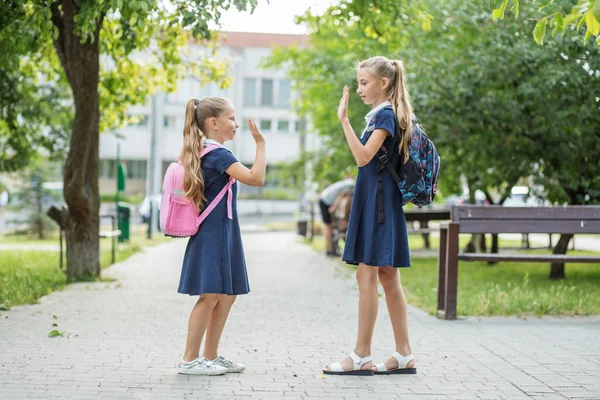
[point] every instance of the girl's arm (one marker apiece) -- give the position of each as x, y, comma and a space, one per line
256, 175
363, 154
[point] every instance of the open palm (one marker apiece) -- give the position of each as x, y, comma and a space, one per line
258, 137
343, 108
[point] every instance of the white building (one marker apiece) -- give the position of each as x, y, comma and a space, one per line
265, 95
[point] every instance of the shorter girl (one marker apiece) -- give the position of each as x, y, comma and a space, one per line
213, 266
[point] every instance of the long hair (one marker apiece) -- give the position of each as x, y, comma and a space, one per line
197, 112
397, 93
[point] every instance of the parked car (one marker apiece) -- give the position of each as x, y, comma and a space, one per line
145, 207
520, 196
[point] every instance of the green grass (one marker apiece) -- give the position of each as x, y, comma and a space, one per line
51, 238
125, 198
25, 276
504, 289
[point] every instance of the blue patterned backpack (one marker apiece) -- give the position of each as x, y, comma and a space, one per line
417, 178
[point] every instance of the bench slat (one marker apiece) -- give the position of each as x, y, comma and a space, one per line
463, 213
508, 225
528, 257
426, 215
114, 233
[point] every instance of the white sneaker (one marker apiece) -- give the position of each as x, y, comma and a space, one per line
229, 365
200, 366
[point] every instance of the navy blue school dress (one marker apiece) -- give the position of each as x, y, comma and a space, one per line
367, 241
214, 257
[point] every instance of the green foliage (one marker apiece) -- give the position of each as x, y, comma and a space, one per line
499, 108
36, 106
561, 15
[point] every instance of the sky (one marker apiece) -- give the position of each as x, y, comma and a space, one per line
273, 16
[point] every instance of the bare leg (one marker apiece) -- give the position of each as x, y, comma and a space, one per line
197, 324
216, 325
368, 302
398, 310
327, 232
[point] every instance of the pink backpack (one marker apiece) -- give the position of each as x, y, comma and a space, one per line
179, 217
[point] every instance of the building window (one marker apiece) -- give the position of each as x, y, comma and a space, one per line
136, 169
265, 124
266, 92
283, 125
169, 121
107, 168
300, 125
249, 91
285, 93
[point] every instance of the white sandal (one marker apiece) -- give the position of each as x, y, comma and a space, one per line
402, 363
358, 362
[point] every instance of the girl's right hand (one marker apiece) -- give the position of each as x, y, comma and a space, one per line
258, 137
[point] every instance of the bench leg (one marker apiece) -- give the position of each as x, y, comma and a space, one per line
441, 303
451, 271
425, 224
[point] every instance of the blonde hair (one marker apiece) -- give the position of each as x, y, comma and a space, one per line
397, 93
197, 112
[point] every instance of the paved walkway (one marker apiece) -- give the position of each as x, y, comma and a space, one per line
122, 339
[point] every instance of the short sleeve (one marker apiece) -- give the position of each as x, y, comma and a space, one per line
223, 160
386, 119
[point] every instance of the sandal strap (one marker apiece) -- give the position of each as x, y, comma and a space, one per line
381, 367
403, 360
336, 367
359, 361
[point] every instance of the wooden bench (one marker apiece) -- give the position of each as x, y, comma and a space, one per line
498, 219
423, 216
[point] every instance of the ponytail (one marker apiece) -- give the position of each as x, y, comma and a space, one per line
400, 99
194, 133
193, 144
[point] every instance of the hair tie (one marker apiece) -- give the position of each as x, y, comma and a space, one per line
196, 104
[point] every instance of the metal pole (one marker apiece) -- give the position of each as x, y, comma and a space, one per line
117, 181
152, 167
114, 239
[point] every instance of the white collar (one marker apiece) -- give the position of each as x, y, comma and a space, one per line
372, 113
375, 110
210, 141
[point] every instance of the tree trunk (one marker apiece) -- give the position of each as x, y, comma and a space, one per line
494, 243
494, 249
557, 270
482, 244
471, 247
81, 62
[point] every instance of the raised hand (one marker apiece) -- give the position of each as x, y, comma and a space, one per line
343, 108
258, 137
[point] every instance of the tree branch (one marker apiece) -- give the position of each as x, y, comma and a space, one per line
59, 42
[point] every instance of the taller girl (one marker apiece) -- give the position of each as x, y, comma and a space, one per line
378, 242
213, 266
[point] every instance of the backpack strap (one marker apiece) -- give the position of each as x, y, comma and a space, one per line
384, 163
226, 189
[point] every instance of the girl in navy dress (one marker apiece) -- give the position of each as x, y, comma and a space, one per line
213, 265
378, 244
